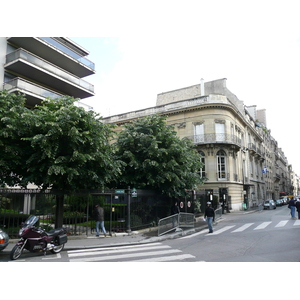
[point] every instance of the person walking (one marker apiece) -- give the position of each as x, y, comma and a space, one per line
174, 212
292, 207
297, 204
209, 215
99, 217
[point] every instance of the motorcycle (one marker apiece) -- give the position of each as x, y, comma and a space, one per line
36, 239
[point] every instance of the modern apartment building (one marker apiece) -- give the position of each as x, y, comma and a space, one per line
41, 67
242, 162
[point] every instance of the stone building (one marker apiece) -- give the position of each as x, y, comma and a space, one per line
242, 162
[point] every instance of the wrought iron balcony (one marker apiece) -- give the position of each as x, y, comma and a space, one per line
256, 151
216, 138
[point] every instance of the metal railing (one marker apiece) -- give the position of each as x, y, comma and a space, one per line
173, 222
24, 85
216, 138
22, 54
218, 213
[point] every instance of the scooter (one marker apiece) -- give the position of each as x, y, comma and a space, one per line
36, 239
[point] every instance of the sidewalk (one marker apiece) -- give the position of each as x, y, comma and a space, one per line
135, 237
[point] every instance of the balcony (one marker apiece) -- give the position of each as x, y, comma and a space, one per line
56, 53
277, 177
216, 138
28, 65
34, 93
254, 150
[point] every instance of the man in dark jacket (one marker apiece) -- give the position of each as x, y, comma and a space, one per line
297, 204
99, 217
210, 216
175, 211
292, 207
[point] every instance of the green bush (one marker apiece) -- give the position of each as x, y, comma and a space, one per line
73, 217
11, 219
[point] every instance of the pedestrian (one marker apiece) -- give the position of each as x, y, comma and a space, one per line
297, 204
99, 217
292, 207
175, 209
174, 212
209, 215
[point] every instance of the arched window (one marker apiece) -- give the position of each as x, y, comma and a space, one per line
202, 170
221, 161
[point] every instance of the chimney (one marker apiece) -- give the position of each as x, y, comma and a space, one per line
202, 92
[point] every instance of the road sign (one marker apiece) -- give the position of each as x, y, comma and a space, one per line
133, 193
120, 192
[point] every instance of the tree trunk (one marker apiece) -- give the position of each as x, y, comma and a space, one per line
59, 211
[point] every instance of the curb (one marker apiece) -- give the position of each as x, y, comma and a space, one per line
142, 239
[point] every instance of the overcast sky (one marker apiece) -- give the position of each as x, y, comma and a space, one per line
158, 48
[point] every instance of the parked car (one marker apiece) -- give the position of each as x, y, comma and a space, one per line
279, 202
268, 204
4, 239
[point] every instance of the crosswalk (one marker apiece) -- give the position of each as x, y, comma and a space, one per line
248, 226
154, 252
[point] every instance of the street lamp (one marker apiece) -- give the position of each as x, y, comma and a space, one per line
128, 210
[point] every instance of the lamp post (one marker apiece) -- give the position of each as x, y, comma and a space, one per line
128, 210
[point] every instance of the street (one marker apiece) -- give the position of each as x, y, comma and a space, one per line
266, 236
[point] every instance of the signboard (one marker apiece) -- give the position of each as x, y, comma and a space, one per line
120, 192
133, 193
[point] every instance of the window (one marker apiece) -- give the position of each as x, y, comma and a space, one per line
220, 132
221, 161
199, 133
202, 170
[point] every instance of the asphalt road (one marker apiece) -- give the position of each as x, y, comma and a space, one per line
266, 236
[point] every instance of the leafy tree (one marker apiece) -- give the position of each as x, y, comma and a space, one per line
156, 158
12, 126
56, 145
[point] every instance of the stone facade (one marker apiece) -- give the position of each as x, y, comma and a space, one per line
242, 161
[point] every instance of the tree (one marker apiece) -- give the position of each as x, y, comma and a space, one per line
156, 158
57, 144
12, 125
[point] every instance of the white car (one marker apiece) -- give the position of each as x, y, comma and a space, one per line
268, 204
4, 239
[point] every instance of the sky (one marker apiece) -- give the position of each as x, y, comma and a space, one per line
255, 45
143, 48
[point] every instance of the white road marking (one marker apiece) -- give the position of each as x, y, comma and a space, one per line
115, 251
262, 225
281, 223
221, 230
165, 258
242, 228
57, 256
125, 256
297, 222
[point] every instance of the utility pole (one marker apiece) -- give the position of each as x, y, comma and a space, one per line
128, 210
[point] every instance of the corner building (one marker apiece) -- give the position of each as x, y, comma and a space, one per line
234, 146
